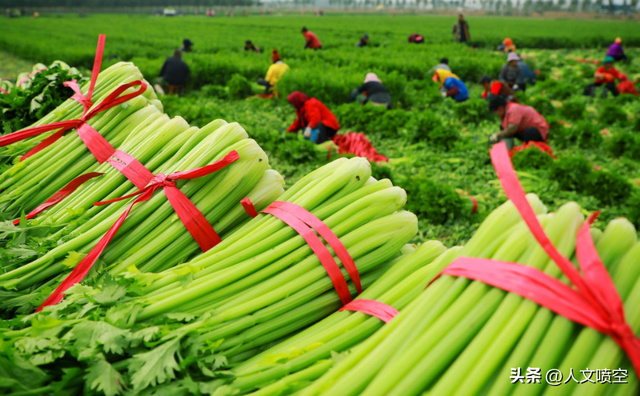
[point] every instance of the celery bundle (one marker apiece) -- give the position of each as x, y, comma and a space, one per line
260, 285
463, 337
152, 228
28, 183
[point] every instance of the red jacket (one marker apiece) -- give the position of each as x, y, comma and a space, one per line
312, 113
313, 40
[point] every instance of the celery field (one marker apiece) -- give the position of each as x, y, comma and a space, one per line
437, 148
206, 251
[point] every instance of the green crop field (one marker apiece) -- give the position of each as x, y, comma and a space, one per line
214, 302
437, 148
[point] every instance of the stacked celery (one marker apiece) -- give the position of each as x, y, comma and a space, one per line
262, 284
463, 337
31, 182
152, 227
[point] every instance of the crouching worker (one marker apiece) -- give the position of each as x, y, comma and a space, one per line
275, 72
451, 86
605, 75
372, 91
317, 121
495, 88
518, 121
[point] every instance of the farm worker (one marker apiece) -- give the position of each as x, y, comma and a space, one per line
372, 91
275, 72
511, 73
312, 41
317, 121
415, 38
451, 85
507, 46
175, 72
461, 30
495, 88
249, 46
616, 51
518, 121
363, 41
528, 76
605, 75
444, 65
186, 45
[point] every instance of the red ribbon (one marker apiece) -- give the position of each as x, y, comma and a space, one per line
291, 215
357, 143
248, 207
99, 147
4, 92
29, 76
594, 302
375, 308
193, 220
60, 195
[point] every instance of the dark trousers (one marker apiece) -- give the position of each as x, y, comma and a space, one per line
590, 90
324, 133
530, 134
266, 84
618, 58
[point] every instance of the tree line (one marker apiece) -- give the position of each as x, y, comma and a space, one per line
121, 3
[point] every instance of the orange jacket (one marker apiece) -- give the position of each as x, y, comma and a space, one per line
313, 40
312, 113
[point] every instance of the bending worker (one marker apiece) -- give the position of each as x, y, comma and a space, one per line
451, 85
175, 72
372, 91
511, 73
495, 88
312, 41
275, 72
616, 51
518, 121
605, 75
317, 121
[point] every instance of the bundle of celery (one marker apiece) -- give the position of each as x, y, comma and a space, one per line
464, 337
37, 95
261, 284
152, 228
28, 183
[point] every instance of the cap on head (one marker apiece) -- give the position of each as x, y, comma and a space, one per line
618, 40
609, 59
496, 102
512, 57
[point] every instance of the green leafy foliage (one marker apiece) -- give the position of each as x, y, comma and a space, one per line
531, 158
573, 110
239, 87
542, 104
36, 97
624, 144
472, 111
572, 172
612, 114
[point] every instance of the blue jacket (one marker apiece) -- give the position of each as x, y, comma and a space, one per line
463, 92
528, 75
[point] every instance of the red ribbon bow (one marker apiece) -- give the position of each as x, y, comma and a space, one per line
96, 143
594, 302
191, 217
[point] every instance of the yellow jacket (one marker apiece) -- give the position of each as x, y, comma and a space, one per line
275, 72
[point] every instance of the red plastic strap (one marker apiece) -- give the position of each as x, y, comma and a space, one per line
131, 168
191, 217
4, 92
326, 259
248, 207
328, 235
596, 303
62, 194
95, 142
29, 76
375, 308
475, 204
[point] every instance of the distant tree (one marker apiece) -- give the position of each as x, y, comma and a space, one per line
573, 5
